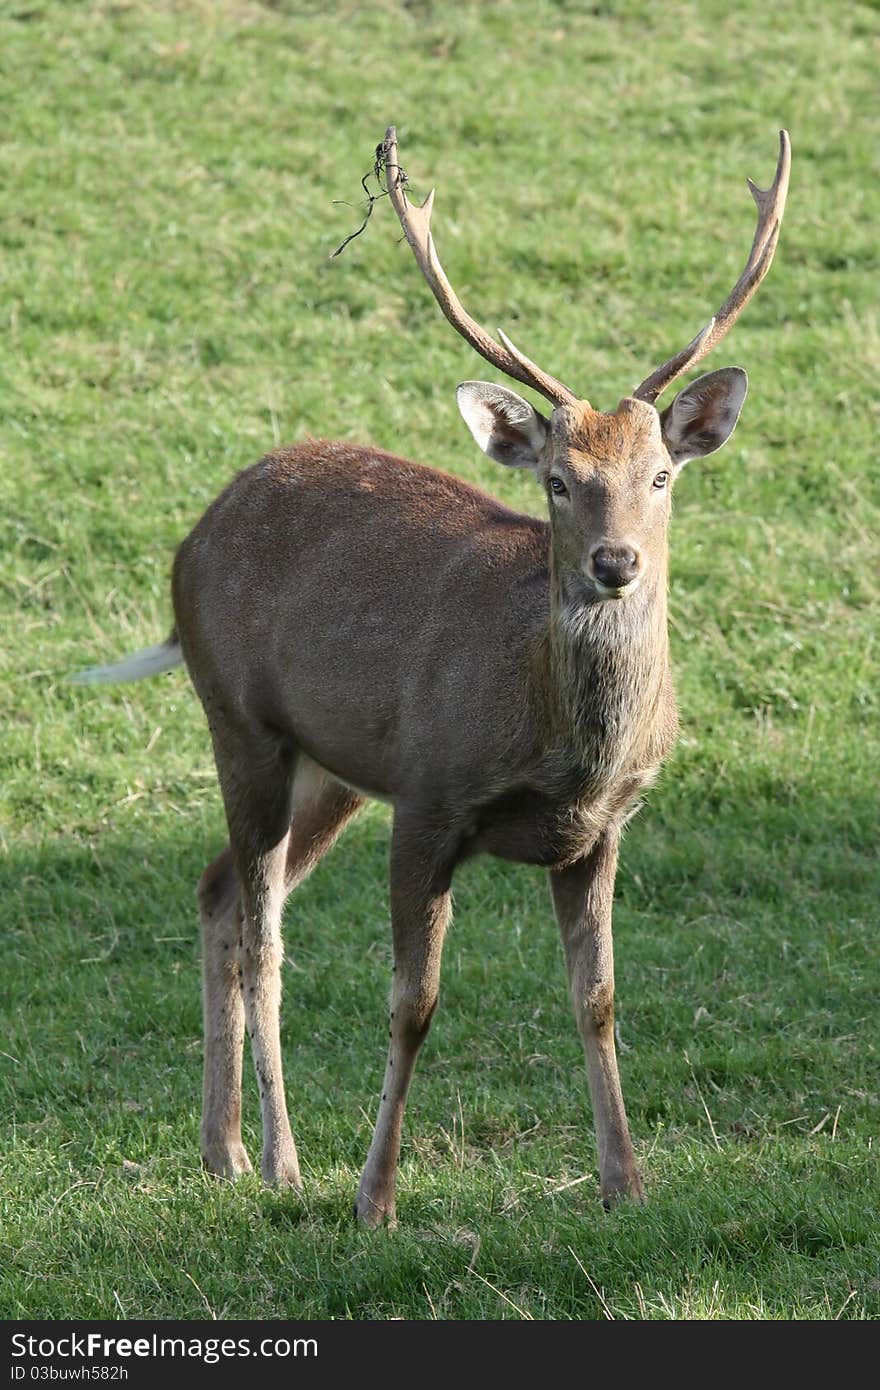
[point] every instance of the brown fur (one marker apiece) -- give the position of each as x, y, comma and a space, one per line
355, 625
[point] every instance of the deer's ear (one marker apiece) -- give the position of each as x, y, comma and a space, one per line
703, 416
505, 426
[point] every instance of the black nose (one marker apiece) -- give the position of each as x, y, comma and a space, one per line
615, 566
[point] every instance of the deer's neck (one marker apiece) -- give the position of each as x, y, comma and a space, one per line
608, 672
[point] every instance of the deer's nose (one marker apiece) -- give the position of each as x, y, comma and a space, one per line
614, 566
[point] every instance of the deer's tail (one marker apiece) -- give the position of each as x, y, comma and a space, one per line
151, 661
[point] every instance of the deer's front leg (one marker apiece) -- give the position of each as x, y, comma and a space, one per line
582, 898
420, 911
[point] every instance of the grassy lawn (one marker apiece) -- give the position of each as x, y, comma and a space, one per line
169, 311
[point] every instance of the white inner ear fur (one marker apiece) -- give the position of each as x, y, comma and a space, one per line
703, 416
505, 426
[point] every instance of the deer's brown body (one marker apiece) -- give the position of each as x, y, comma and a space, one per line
457, 601
357, 625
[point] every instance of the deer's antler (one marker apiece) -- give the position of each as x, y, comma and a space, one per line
417, 229
771, 205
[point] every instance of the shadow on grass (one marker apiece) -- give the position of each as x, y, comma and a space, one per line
745, 973
103, 936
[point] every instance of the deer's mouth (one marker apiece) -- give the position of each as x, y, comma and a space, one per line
616, 591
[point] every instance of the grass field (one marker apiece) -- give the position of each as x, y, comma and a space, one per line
168, 312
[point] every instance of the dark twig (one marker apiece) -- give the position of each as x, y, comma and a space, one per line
378, 172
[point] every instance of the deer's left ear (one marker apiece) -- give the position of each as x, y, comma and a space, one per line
703, 416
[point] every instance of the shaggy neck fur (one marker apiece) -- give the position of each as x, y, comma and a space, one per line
609, 659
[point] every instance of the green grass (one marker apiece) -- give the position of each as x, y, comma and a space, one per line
168, 311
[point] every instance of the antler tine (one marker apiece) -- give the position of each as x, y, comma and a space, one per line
771, 205
417, 229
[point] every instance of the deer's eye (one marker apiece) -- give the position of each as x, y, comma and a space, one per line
557, 486
661, 481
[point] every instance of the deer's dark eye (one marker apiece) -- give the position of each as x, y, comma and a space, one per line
661, 481
557, 486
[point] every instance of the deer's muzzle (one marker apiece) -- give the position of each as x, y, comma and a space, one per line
614, 569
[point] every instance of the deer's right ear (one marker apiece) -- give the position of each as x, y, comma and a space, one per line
505, 426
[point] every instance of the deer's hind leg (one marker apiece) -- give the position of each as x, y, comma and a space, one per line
242, 953
219, 896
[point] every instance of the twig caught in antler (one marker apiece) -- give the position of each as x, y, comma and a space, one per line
378, 173
417, 229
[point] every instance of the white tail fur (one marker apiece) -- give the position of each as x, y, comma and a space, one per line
151, 661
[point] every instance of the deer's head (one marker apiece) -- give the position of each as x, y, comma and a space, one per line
608, 476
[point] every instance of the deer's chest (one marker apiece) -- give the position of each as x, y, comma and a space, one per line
555, 821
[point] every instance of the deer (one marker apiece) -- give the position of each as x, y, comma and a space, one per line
357, 625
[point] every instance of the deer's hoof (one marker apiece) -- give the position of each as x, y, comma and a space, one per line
623, 1187
226, 1160
281, 1169
373, 1210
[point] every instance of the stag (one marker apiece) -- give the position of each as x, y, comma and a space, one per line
357, 625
